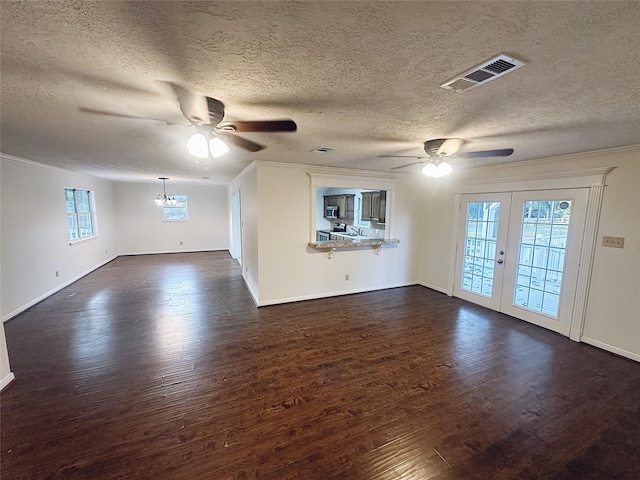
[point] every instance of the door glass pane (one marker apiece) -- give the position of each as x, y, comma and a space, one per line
480, 247
543, 239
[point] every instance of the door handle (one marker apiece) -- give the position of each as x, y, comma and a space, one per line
500, 262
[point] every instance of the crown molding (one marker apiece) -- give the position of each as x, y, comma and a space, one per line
14, 158
320, 169
539, 161
587, 177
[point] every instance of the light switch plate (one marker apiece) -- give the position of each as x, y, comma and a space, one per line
616, 242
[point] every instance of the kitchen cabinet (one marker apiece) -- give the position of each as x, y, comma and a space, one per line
374, 206
345, 204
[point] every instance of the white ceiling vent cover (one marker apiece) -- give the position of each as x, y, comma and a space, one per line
483, 73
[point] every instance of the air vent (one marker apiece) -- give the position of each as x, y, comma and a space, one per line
322, 150
483, 73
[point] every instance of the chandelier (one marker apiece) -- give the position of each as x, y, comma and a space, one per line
163, 198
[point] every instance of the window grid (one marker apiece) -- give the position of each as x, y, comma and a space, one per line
80, 213
177, 212
480, 247
541, 258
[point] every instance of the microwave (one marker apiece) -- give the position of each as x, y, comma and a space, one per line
331, 212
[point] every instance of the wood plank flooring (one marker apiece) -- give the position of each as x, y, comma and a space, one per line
160, 367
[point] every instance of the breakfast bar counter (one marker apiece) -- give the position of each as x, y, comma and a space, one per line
331, 245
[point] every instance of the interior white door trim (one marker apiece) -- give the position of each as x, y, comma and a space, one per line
589, 242
592, 178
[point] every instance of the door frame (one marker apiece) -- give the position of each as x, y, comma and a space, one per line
236, 226
504, 198
571, 268
591, 178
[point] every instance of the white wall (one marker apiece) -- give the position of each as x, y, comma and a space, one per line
6, 375
436, 215
613, 310
140, 228
247, 184
290, 270
35, 242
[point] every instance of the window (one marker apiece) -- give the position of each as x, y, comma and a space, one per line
176, 212
374, 226
80, 213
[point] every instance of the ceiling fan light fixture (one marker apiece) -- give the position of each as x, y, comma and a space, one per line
217, 147
450, 146
437, 171
197, 145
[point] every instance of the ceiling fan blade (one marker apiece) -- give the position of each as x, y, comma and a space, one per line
407, 165
403, 156
216, 111
198, 109
505, 152
195, 108
241, 142
260, 126
121, 115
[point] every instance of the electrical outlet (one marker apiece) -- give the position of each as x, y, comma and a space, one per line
615, 242
180, 243
346, 277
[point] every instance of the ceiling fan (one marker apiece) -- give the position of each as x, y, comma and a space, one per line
206, 114
440, 148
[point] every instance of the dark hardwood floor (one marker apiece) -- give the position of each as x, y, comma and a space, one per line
160, 367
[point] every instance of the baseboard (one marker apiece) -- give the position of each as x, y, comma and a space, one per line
315, 296
164, 252
610, 348
253, 294
7, 380
30, 304
436, 288
575, 334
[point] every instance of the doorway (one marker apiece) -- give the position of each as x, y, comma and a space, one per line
236, 227
518, 253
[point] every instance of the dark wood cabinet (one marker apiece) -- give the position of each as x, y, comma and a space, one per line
374, 206
328, 201
345, 204
382, 207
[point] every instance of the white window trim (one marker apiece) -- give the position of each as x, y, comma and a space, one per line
362, 182
171, 206
82, 240
94, 218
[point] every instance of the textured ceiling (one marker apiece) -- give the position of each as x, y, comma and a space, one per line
360, 77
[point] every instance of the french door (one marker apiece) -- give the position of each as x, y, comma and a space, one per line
518, 253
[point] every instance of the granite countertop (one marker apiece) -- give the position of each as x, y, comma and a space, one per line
350, 242
351, 236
